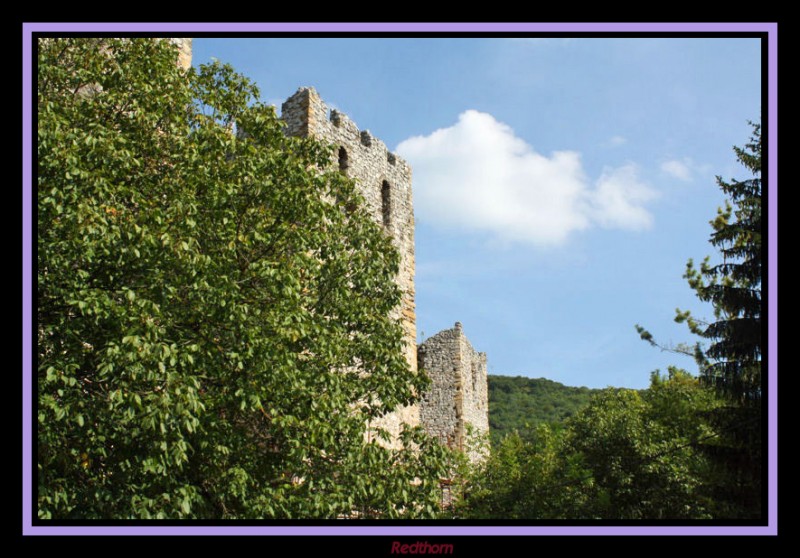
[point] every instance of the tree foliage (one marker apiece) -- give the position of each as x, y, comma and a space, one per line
521, 404
212, 324
731, 362
733, 359
628, 455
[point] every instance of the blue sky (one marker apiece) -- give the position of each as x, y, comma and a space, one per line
578, 175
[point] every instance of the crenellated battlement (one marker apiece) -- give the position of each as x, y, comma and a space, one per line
305, 112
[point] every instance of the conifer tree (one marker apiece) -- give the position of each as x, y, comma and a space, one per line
732, 362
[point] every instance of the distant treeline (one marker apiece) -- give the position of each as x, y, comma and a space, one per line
520, 403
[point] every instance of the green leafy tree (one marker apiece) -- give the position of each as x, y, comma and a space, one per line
212, 318
732, 360
520, 403
628, 455
643, 449
527, 476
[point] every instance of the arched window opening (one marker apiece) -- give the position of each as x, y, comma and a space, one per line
343, 160
386, 203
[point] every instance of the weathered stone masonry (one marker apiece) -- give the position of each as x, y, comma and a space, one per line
459, 394
384, 180
184, 51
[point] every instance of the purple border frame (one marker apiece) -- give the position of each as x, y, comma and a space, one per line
187, 29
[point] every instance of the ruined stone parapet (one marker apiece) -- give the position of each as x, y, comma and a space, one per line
458, 398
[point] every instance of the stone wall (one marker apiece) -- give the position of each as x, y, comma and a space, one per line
184, 53
459, 394
384, 180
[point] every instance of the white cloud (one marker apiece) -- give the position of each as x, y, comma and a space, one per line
618, 198
477, 175
678, 169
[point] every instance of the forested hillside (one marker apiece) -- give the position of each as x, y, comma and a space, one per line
522, 403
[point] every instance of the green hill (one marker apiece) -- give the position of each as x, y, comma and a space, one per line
523, 403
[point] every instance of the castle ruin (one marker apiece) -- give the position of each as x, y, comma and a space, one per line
457, 400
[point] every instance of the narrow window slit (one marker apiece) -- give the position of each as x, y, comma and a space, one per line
386, 203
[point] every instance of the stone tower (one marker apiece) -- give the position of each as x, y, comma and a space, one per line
384, 180
459, 395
